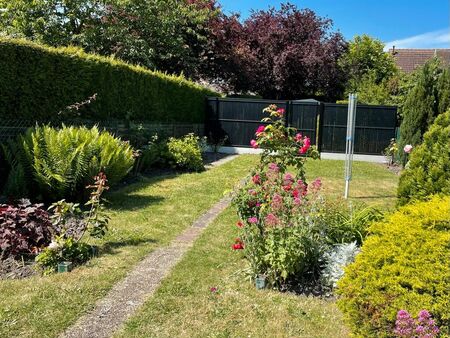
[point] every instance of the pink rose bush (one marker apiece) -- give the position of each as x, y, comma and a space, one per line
280, 219
282, 227
282, 145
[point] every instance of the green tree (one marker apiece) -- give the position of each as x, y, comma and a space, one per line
365, 57
167, 35
428, 170
53, 22
427, 99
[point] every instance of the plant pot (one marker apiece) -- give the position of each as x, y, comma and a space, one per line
260, 282
64, 267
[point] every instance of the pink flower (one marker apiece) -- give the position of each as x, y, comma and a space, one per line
316, 184
280, 111
272, 220
407, 149
253, 220
298, 137
306, 145
254, 144
289, 178
256, 179
297, 201
274, 167
307, 142
277, 201
260, 130
213, 289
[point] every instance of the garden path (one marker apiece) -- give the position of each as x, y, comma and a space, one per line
128, 295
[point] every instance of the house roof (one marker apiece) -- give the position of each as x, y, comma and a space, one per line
409, 59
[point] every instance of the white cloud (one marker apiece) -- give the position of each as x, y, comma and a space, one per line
436, 39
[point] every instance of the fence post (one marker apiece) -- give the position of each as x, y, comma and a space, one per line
319, 125
287, 114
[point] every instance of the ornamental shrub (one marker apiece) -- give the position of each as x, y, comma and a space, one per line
24, 229
37, 82
52, 164
281, 235
186, 152
428, 171
63, 250
404, 264
424, 102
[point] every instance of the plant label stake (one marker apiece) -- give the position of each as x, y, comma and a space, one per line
350, 141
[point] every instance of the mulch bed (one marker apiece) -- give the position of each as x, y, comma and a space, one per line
11, 268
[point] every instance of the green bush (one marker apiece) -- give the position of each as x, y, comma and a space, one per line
37, 82
428, 171
154, 154
186, 152
63, 250
404, 264
52, 164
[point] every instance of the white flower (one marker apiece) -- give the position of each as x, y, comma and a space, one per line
53, 245
407, 149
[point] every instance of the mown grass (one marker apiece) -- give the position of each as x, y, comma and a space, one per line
371, 183
145, 215
184, 305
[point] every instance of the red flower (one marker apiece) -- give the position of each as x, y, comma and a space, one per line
238, 245
239, 224
256, 179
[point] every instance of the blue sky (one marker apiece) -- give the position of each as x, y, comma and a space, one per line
403, 23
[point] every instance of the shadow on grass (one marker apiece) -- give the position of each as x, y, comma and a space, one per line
125, 197
374, 197
111, 248
129, 202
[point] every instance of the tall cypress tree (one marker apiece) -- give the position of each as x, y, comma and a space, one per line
427, 99
444, 91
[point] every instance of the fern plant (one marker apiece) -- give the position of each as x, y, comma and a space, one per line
53, 164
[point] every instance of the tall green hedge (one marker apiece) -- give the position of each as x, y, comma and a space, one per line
36, 82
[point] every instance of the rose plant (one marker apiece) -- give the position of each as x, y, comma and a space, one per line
281, 224
281, 144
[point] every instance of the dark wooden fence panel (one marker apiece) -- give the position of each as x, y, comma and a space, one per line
324, 123
237, 119
375, 126
303, 116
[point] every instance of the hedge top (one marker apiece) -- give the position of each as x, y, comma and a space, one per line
37, 82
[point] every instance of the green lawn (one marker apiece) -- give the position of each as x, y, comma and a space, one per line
372, 183
145, 215
149, 214
184, 305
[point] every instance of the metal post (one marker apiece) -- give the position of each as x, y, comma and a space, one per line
350, 141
